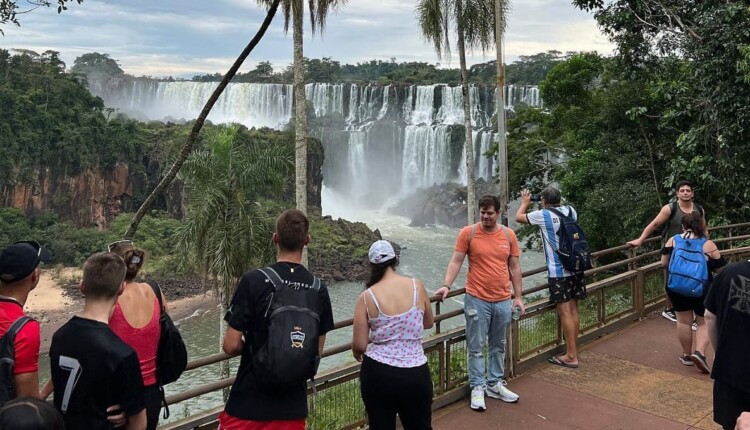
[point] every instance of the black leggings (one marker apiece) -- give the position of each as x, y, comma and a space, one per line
388, 390
152, 396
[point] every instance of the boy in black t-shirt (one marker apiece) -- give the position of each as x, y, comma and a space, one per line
91, 367
250, 404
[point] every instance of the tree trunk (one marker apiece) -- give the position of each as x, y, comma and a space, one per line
502, 144
224, 366
471, 198
198, 125
300, 114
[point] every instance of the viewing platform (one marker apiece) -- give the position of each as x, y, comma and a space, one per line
630, 379
629, 375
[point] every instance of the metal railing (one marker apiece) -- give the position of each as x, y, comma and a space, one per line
624, 286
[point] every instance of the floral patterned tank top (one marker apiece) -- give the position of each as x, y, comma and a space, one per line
396, 340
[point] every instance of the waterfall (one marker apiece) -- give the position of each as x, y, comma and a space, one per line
380, 140
426, 156
483, 166
452, 107
326, 98
423, 105
358, 172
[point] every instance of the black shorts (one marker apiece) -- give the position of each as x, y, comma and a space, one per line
563, 289
729, 403
682, 303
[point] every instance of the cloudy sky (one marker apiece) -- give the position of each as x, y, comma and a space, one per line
185, 37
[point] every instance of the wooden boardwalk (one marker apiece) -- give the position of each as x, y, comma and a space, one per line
630, 379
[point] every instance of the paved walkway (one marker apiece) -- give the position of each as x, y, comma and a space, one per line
630, 379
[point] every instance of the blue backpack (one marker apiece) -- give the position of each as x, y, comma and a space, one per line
688, 269
573, 249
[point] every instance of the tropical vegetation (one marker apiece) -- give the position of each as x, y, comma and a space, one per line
618, 132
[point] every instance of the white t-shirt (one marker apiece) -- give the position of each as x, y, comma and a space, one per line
549, 224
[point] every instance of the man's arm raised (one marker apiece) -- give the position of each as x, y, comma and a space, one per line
521, 217
660, 219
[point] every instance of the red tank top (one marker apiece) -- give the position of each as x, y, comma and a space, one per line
144, 340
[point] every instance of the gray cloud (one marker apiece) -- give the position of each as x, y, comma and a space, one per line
184, 37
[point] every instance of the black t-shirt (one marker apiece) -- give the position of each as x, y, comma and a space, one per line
729, 300
93, 369
247, 400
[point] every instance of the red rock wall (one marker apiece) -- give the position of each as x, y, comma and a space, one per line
91, 198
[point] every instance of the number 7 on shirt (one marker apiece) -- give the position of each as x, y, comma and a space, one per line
74, 366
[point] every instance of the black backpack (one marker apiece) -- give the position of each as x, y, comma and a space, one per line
8, 360
573, 248
290, 355
171, 356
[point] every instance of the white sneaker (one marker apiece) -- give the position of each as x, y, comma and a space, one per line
477, 398
499, 391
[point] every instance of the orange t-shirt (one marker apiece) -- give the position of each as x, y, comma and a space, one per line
489, 276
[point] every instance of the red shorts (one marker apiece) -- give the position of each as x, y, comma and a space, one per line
228, 422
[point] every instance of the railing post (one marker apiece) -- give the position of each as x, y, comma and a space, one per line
631, 254
513, 348
639, 294
437, 313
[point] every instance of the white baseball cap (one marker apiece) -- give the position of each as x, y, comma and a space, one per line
381, 251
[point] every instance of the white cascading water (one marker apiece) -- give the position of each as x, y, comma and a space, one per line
452, 107
426, 156
253, 105
483, 140
357, 160
326, 98
384, 110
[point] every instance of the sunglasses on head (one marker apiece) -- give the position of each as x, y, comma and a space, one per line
35, 244
117, 242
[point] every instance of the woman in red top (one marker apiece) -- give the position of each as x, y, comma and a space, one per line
135, 319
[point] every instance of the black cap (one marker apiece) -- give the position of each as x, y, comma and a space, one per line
20, 259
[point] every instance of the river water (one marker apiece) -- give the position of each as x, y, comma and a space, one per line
425, 255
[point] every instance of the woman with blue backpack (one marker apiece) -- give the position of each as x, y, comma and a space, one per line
690, 258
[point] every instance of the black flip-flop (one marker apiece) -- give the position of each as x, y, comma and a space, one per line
558, 362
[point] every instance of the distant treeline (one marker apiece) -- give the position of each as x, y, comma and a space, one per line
528, 70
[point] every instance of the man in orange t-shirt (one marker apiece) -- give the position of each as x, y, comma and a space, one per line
494, 267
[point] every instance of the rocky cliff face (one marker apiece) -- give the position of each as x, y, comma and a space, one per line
96, 196
443, 204
92, 197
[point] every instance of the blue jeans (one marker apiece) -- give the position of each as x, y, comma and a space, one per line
486, 320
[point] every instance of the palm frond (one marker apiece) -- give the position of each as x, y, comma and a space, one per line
224, 232
434, 24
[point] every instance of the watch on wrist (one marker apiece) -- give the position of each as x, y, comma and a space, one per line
446, 286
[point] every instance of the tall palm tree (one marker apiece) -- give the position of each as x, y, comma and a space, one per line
225, 232
294, 11
501, 13
198, 124
474, 23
